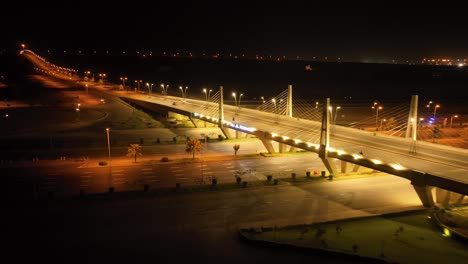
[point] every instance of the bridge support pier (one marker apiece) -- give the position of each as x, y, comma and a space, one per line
193, 122
292, 149
425, 195
446, 197
423, 190
330, 165
280, 147
266, 142
356, 167
344, 166
225, 131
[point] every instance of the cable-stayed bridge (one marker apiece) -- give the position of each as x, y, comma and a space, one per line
286, 124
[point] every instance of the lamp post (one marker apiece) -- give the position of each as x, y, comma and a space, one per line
138, 85
429, 106
150, 87
164, 88
87, 74
207, 95
435, 110
381, 123
235, 99
274, 103
240, 97
451, 119
110, 160
377, 108
184, 92
123, 79
103, 76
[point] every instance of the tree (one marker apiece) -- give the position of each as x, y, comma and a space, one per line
436, 133
134, 150
193, 145
236, 148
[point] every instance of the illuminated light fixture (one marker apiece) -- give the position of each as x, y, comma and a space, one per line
208, 117
446, 232
376, 161
274, 134
201, 116
397, 167
340, 152
195, 114
356, 156
297, 141
317, 147
285, 137
330, 149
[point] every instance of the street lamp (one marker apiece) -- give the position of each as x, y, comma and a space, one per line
429, 106
110, 160
150, 87
377, 108
102, 75
184, 92
23, 46
381, 123
207, 95
86, 88
451, 119
240, 97
235, 99
123, 79
164, 88
78, 114
435, 110
138, 85
274, 103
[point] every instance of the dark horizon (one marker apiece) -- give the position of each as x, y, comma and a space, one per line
355, 32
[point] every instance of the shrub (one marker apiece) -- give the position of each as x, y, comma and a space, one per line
275, 181
177, 185
145, 187
330, 177
244, 184
293, 175
102, 163
214, 181
164, 159
157, 140
174, 139
269, 177
111, 189
323, 173
220, 138
308, 174
238, 180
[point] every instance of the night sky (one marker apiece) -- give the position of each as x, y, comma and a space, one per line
382, 30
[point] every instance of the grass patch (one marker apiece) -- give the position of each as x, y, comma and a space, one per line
409, 237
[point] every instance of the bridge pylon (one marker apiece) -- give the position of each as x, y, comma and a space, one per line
411, 128
289, 102
221, 114
325, 139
